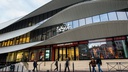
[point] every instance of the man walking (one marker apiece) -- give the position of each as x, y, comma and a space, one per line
35, 65
56, 64
99, 62
67, 65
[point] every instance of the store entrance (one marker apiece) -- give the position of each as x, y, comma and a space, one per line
62, 53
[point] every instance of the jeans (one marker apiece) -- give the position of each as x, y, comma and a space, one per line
93, 69
100, 70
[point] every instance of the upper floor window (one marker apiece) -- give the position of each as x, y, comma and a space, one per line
121, 15
112, 16
104, 17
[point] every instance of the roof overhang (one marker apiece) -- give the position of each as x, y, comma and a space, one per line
17, 47
91, 31
84, 10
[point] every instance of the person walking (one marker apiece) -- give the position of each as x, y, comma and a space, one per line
93, 64
99, 63
56, 64
35, 65
67, 65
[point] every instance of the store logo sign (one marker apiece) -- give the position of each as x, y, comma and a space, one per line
62, 28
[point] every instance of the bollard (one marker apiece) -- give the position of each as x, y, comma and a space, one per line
17, 68
90, 68
60, 67
47, 70
2, 69
5, 69
29, 70
73, 66
22, 68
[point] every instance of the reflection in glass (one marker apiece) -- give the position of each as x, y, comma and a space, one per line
88, 20
70, 25
104, 17
70, 53
96, 18
82, 22
64, 53
112, 16
75, 24
56, 53
60, 54
77, 53
83, 52
121, 15
121, 49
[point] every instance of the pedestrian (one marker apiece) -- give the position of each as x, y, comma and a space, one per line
99, 63
93, 64
35, 65
11, 68
67, 65
56, 64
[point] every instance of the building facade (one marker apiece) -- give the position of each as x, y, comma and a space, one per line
78, 29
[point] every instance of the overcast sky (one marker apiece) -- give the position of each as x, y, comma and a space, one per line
10, 9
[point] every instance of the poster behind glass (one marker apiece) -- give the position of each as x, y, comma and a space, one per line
120, 49
83, 52
41, 55
104, 50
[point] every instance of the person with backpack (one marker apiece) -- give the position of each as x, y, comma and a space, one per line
93, 64
99, 63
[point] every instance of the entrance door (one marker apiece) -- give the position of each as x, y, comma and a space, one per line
70, 53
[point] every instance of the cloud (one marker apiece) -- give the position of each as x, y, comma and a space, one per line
10, 9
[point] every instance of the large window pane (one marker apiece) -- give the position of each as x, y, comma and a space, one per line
82, 22
70, 25
104, 17
88, 20
112, 16
121, 15
121, 50
96, 18
75, 24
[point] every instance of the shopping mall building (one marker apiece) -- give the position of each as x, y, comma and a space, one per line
78, 29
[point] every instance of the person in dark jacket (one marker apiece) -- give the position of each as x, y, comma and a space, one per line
67, 65
35, 65
56, 64
99, 63
93, 64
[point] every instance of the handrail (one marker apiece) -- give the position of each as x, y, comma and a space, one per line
120, 66
40, 64
51, 66
26, 65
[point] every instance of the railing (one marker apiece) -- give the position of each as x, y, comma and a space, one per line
118, 66
51, 66
40, 64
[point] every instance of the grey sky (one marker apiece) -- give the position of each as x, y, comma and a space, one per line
10, 9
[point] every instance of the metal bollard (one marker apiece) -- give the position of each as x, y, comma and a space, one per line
29, 70
73, 66
22, 68
90, 68
47, 70
5, 69
60, 67
17, 68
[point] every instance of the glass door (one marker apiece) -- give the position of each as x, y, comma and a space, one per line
70, 53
